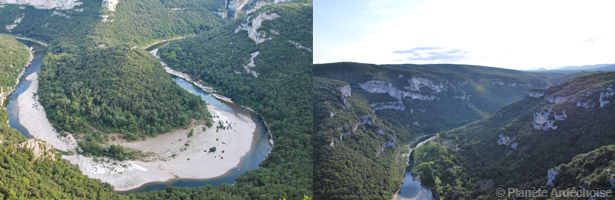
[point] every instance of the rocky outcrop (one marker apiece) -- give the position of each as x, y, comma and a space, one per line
390, 143
375, 86
235, 7
299, 46
417, 83
608, 93
251, 64
463, 97
61, 14
535, 94
556, 100
346, 90
45, 4
110, 4
41, 149
253, 33
397, 105
10, 27
551, 176
504, 140
542, 122
221, 13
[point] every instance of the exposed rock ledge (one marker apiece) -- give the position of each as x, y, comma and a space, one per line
45, 4
542, 122
251, 64
256, 23
110, 4
41, 149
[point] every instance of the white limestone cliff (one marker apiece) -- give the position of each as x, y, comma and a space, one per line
542, 122
535, 94
556, 100
41, 149
258, 37
237, 6
606, 94
45, 4
346, 91
504, 140
417, 83
299, 46
251, 64
10, 27
375, 86
110, 4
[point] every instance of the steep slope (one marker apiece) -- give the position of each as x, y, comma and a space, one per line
31, 169
402, 102
262, 61
361, 156
532, 136
90, 25
15, 58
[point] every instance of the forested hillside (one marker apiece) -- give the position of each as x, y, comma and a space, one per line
14, 57
534, 136
25, 175
362, 162
89, 25
117, 90
280, 90
362, 110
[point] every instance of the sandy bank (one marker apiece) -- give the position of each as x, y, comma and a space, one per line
33, 40
33, 117
174, 155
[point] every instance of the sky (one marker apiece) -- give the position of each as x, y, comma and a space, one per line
516, 34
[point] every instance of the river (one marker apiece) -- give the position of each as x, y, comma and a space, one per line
35, 67
411, 189
260, 146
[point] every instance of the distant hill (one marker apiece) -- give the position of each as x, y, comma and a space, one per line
584, 67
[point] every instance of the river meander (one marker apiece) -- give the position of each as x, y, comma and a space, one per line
260, 146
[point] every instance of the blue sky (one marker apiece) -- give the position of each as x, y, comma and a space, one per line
509, 34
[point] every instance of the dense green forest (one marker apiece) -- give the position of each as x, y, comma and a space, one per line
14, 57
132, 23
114, 90
282, 94
22, 175
592, 171
403, 102
534, 135
361, 162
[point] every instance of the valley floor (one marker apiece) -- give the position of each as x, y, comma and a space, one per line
174, 155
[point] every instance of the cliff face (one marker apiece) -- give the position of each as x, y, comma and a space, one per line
45, 4
236, 7
110, 4
41, 149
253, 33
